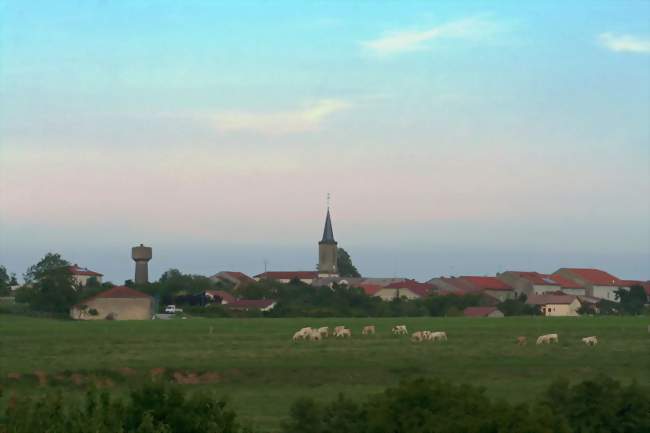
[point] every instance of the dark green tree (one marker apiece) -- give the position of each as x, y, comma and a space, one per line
632, 301
344, 264
53, 288
5, 281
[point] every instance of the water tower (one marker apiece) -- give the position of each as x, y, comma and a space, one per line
141, 255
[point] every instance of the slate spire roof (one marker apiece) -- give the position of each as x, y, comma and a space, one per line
328, 233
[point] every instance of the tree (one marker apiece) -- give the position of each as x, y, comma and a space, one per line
53, 288
344, 264
632, 301
5, 281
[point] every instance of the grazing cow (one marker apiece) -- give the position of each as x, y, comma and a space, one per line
367, 330
547, 339
338, 329
427, 335
438, 336
400, 330
345, 332
315, 335
417, 336
521, 341
302, 334
324, 331
590, 341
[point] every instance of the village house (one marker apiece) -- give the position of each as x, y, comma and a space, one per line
82, 275
236, 279
555, 304
409, 289
597, 283
306, 277
482, 312
534, 282
117, 303
491, 286
223, 296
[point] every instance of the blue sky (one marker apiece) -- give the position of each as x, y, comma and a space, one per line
454, 137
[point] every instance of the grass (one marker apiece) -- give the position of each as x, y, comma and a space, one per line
262, 371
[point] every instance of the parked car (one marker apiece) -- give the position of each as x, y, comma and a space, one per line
171, 309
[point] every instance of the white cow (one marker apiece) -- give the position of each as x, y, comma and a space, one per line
367, 330
590, 341
400, 330
302, 334
324, 331
417, 336
547, 339
345, 332
338, 329
427, 335
315, 335
438, 336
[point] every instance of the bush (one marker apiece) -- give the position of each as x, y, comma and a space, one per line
155, 408
433, 406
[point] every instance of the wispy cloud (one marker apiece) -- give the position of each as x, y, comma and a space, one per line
625, 43
415, 40
306, 119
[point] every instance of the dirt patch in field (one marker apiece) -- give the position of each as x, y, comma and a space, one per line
126, 371
191, 378
103, 382
157, 372
41, 376
210, 377
76, 378
14, 376
186, 378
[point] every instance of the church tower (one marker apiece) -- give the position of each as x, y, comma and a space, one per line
327, 251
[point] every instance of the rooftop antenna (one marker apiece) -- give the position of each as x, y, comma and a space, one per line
328, 200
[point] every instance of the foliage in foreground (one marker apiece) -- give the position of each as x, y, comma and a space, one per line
155, 408
432, 406
420, 406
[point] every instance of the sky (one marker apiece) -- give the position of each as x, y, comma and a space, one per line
454, 138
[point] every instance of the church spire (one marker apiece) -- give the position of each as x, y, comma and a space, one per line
328, 233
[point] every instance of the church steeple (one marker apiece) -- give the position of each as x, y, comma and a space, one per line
327, 248
328, 233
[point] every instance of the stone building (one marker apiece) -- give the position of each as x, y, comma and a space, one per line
118, 303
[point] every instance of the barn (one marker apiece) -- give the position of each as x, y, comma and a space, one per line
118, 303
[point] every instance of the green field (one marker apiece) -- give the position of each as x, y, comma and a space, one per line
262, 371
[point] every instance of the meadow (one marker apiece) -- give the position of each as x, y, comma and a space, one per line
256, 365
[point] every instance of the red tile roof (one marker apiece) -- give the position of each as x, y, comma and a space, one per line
547, 298
78, 270
486, 283
421, 289
240, 276
370, 289
595, 276
565, 282
119, 292
225, 296
479, 311
288, 275
548, 280
250, 304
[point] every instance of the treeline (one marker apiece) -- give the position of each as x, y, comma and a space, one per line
419, 406
297, 299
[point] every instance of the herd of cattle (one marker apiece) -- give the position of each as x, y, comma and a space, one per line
317, 334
